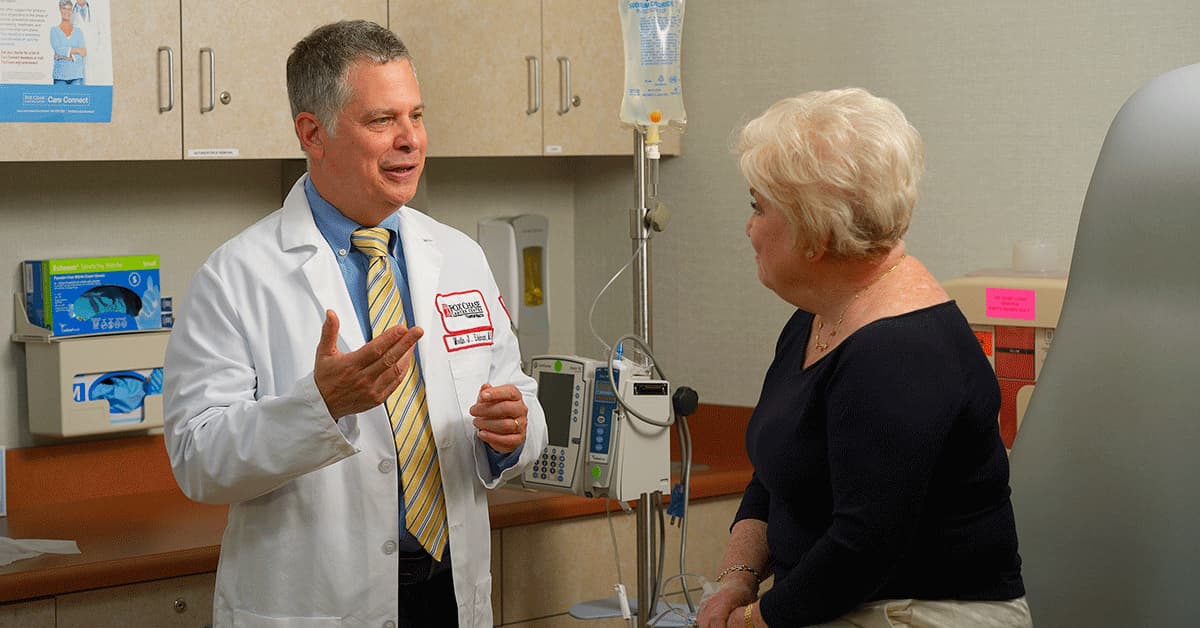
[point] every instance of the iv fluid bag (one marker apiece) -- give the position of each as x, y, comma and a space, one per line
653, 34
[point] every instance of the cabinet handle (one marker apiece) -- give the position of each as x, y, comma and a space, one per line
212, 81
564, 86
534, 66
170, 78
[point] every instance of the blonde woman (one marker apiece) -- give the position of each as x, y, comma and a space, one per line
880, 492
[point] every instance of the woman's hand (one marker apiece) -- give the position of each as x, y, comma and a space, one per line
737, 590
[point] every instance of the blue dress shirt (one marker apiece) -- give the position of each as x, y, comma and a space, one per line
336, 228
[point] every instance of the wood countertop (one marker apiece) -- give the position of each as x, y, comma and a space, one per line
139, 530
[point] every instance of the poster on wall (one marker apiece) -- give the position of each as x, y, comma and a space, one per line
55, 61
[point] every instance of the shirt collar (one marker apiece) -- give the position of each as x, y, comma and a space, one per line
336, 227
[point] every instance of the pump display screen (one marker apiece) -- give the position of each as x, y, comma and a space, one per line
555, 391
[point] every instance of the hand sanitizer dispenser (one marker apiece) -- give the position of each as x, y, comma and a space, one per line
516, 250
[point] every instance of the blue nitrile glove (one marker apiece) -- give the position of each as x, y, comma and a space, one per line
106, 300
124, 391
154, 384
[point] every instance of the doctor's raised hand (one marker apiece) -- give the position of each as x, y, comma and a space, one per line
360, 380
500, 416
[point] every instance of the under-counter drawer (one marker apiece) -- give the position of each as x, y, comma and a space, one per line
184, 602
28, 614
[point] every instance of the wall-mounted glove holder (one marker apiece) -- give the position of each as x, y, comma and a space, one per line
64, 377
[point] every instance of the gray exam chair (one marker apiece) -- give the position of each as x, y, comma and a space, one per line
1106, 467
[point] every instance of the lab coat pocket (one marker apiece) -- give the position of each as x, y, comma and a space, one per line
470, 372
246, 619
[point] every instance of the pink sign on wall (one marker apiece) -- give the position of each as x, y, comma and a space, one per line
1011, 303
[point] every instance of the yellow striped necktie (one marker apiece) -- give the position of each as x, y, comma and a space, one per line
420, 473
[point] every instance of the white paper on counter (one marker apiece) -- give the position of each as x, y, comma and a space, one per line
12, 550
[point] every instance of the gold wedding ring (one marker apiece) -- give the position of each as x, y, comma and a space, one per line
516, 426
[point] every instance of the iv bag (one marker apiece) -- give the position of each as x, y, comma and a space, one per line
653, 34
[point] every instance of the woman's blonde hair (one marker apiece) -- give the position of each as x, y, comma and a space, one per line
842, 165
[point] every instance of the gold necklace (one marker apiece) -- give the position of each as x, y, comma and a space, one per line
824, 346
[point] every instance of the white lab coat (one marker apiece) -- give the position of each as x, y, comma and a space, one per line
314, 517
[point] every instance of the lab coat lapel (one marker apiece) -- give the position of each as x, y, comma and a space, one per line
424, 261
299, 236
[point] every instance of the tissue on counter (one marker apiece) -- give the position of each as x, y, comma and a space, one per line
125, 391
12, 550
93, 295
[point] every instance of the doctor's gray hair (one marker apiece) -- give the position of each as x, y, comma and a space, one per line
843, 166
317, 67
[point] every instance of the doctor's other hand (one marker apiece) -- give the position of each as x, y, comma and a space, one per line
715, 609
501, 416
360, 380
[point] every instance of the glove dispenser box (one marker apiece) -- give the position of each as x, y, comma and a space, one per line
65, 375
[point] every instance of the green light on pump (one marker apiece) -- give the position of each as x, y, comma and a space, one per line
595, 472
557, 366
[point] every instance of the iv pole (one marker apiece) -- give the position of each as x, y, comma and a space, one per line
640, 233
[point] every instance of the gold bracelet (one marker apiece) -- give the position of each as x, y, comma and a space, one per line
741, 567
749, 616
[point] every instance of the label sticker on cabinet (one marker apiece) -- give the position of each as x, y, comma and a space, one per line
213, 153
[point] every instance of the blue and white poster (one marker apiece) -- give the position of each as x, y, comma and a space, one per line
55, 61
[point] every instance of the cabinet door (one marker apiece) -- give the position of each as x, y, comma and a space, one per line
234, 63
471, 59
587, 35
138, 130
184, 602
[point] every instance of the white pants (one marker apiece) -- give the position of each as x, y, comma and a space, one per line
936, 614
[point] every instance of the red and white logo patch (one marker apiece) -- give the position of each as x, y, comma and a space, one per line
466, 320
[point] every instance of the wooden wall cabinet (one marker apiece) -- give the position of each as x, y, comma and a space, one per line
145, 58
494, 76
205, 79
192, 79
248, 43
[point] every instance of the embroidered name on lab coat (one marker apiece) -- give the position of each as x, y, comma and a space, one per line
466, 320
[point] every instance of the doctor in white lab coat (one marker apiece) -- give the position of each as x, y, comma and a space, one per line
274, 389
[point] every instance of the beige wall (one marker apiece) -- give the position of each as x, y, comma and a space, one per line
1013, 100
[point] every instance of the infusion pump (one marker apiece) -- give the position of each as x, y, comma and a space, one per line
595, 448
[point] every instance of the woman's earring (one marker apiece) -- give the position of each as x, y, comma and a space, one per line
809, 254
